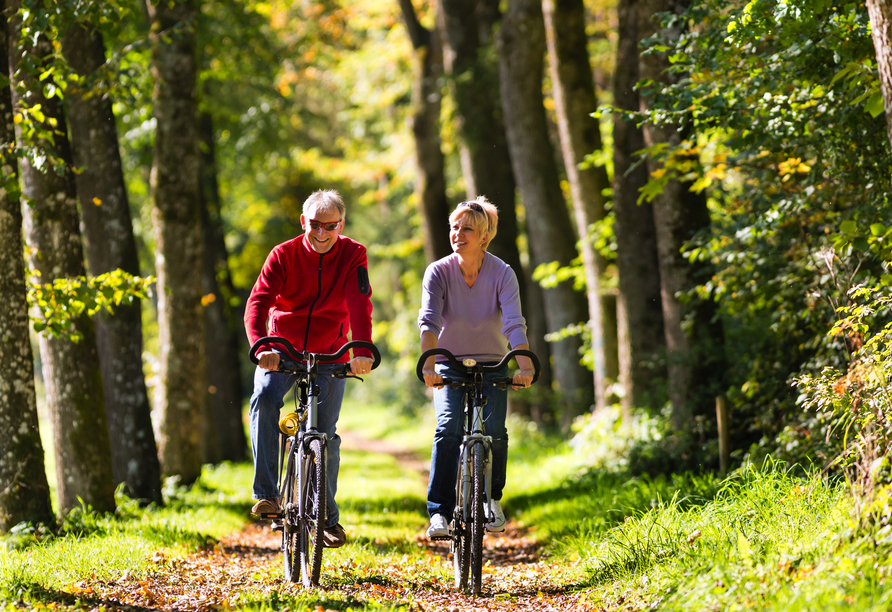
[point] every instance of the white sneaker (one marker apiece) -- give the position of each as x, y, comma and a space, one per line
497, 524
439, 527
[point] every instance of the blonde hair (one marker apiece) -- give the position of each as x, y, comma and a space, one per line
485, 222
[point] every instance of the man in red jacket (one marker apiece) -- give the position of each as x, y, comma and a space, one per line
312, 290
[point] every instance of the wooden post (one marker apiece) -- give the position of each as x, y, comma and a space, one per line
721, 413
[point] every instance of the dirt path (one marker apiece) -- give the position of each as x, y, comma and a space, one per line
247, 566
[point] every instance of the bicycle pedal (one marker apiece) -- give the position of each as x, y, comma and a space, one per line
271, 515
445, 538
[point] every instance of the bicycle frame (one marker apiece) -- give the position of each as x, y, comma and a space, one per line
467, 532
305, 459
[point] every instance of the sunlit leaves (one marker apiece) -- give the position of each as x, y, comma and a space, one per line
65, 299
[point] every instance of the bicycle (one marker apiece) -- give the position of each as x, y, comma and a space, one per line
303, 451
472, 487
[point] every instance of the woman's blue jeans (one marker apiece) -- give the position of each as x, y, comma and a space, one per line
449, 408
266, 401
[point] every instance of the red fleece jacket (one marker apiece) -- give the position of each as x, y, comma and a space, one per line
313, 300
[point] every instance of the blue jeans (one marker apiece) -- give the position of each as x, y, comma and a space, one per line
266, 401
449, 408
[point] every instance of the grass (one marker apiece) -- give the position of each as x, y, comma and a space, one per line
105, 546
765, 538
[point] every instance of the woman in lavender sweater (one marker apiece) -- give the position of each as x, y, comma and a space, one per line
470, 305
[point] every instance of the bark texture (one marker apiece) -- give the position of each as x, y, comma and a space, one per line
693, 332
580, 134
71, 370
880, 12
24, 493
472, 70
223, 434
521, 53
639, 309
474, 84
110, 245
430, 185
176, 218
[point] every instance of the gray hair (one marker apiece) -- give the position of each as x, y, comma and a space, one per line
326, 200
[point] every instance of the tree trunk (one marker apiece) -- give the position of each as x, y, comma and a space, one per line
473, 79
110, 245
430, 186
24, 492
580, 134
693, 332
473, 75
880, 12
71, 370
224, 431
521, 53
639, 308
176, 217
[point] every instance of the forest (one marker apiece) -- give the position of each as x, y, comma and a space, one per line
695, 197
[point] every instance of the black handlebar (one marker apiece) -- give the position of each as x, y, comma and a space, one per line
319, 357
458, 365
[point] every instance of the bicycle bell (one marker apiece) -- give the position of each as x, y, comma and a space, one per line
469, 363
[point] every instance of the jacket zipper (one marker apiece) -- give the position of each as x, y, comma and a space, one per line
313, 305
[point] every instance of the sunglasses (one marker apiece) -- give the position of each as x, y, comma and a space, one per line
328, 227
472, 205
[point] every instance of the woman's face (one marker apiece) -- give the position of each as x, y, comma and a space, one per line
464, 239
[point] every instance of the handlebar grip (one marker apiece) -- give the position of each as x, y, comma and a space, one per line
297, 357
455, 363
289, 348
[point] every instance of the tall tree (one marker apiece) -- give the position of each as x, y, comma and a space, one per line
639, 309
521, 54
224, 432
71, 370
473, 81
430, 182
880, 12
110, 245
574, 94
176, 217
24, 492
473, 73
693, 332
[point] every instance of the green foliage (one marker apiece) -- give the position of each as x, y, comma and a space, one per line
851, 410
778, 97
768, 540
64, 300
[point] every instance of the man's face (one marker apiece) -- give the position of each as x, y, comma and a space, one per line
315, 222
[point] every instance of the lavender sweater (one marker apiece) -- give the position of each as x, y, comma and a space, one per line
478, 321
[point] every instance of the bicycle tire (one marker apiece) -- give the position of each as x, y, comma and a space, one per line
478, 518
313, 518
461, 541
290, 529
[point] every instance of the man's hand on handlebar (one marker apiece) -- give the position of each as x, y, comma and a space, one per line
361, 365
268, 360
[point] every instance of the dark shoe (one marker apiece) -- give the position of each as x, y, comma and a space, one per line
266, 508
334, 536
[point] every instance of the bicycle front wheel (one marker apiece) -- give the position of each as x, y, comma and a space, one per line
290, 527
478, 517
313, 491
461, 534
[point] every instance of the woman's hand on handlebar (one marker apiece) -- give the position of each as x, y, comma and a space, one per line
523, 379
361, 365
268, 360
429, 371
